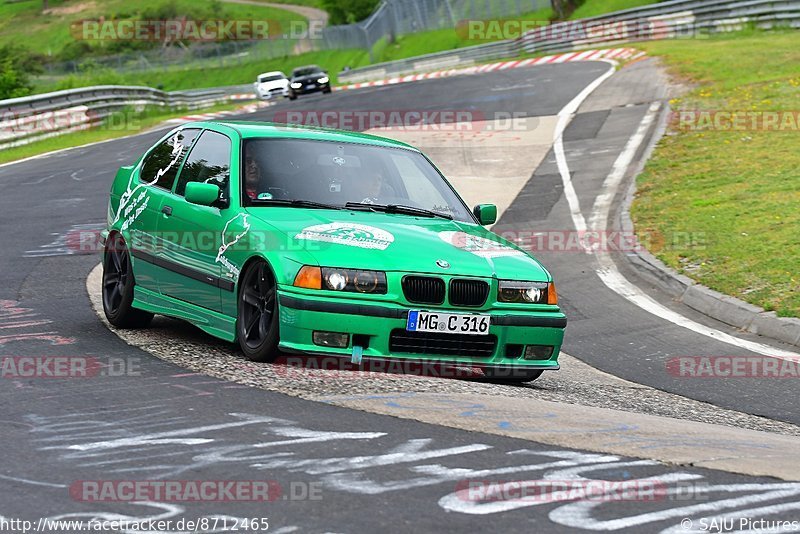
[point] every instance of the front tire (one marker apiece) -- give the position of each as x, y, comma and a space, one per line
257, 320
118, 283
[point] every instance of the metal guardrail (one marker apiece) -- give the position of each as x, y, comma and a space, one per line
664, 20
31, 118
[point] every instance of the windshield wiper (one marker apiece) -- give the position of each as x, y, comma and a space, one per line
398, 208
296, 203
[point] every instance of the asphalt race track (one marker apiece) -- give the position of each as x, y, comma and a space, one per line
338, 469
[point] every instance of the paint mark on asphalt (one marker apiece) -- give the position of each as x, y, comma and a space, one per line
14, 316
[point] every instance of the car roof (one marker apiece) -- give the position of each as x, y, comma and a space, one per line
271, 73
307, 67
252, 129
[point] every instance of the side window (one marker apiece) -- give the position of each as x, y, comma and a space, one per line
209, 162
161, 165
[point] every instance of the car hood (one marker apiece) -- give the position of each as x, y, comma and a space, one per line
274, 83
394, 242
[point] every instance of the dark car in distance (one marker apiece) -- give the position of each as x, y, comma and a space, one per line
308, 79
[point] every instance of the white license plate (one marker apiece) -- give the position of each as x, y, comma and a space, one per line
447, 323
312, 86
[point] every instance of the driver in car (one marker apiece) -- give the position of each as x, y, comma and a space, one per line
371, 185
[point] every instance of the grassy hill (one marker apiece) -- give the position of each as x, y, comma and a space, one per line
23, 19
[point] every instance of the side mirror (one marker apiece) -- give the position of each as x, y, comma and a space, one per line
485, 213
202, 193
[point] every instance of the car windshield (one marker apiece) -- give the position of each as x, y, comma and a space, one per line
277, 171
272, 78
307, 71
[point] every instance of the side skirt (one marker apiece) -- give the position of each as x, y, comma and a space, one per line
214, 323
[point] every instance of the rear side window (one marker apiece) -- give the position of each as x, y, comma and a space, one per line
208, 162
162, 164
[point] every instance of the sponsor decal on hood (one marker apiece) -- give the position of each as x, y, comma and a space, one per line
348, 234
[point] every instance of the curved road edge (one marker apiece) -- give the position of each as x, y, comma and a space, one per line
724, 308
667, 440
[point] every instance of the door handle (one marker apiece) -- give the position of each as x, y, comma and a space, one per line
166, 210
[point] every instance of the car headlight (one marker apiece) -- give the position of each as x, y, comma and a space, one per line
527, 292
335, 279
324, 79
296, 85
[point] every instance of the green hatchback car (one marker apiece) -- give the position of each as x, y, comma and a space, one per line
313, 241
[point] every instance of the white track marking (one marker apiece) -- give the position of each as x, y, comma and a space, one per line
607, 270
34, 482
578, 514
564, 118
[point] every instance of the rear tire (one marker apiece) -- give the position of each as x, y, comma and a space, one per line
257, 321
515, 376
118, 284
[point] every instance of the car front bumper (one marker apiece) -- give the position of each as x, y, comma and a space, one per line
374, 323
275, 93
308, 90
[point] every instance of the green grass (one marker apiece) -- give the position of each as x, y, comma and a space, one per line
738, 191
120, 124
24, 23
592, 8
309, 3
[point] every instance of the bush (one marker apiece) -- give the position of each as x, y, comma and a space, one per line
74, 50
16, 66
349, 11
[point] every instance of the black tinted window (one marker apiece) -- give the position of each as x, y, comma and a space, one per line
307, 71
209, 162
161, 165
338, 173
